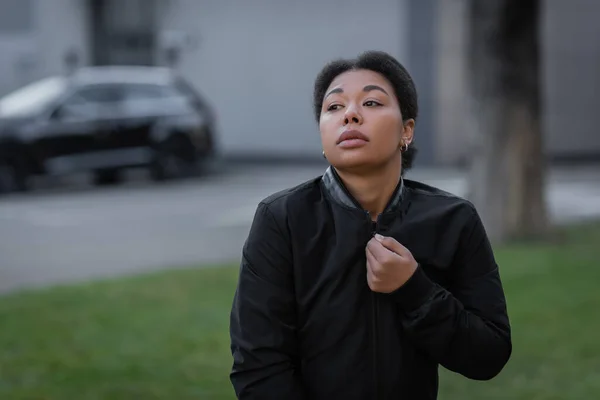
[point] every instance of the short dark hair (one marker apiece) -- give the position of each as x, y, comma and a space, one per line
384, 64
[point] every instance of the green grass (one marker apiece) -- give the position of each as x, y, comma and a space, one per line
165, 335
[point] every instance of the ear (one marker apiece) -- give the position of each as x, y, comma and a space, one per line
408, 130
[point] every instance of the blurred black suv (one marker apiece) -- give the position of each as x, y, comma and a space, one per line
103, 120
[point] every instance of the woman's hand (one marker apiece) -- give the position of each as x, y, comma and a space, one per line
389, 264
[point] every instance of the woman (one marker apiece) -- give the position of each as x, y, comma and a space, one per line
357, 284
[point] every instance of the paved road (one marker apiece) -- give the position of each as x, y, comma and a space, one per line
77, 232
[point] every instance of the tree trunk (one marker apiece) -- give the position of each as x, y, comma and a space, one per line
507, 182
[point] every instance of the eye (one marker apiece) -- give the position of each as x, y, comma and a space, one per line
334, 107
371, 103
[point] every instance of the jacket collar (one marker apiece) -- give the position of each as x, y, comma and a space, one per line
335, 187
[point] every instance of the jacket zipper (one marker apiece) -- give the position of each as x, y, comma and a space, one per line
374, 325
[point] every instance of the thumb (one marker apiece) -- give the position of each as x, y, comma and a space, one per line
392, 244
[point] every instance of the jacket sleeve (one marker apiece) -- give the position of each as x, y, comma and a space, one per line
465, 329
263, 318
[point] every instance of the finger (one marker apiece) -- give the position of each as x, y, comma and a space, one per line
370, 275
381, 253
372, 244
391, 244
371, 279
370, 269
372, 264
375, 266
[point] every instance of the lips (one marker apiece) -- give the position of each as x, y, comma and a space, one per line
352, 135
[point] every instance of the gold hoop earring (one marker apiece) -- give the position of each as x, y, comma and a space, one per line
324, 156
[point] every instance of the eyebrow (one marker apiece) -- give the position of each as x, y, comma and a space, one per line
367, 88
338, 90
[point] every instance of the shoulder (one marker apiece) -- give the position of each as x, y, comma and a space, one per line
455, 217
297, 198
440, 203
424, 192
271, 218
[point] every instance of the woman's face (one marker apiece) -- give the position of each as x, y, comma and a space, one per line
361, 124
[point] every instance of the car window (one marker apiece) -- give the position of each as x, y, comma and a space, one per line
154, 99
86, 102
100, 94
147, 92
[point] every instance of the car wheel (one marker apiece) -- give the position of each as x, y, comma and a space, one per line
105, 177
173, 160
12, 179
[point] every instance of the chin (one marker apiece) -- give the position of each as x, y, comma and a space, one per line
361, 161
355, 161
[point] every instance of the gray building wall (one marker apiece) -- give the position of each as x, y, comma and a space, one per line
256, 61
18, 61
34, 37
571, 80
572, 76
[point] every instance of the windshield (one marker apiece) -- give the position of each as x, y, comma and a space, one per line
32, 98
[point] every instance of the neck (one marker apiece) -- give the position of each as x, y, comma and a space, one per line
373, 190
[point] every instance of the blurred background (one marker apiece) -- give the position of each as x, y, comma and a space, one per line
138, 136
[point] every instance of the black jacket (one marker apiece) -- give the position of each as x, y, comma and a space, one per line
305, 325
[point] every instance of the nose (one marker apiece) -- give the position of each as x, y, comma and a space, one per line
352, 116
